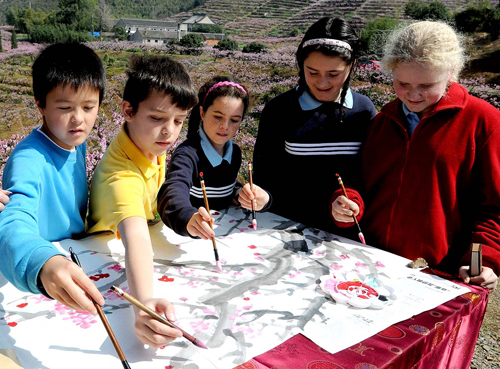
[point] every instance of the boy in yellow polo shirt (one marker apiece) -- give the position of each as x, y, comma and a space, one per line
156, 99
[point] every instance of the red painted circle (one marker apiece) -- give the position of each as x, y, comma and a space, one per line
357, 289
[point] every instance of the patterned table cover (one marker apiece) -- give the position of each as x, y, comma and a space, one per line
443, 337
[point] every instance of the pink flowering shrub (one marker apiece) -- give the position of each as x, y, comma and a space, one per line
6, 147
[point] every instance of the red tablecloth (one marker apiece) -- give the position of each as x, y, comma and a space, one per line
444, 337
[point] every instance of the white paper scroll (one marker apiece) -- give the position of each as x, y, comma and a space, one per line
267, 293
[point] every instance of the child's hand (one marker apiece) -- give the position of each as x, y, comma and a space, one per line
343, 209
150, 331
4, 198
487, 279
199, 225
258, 196
64, 281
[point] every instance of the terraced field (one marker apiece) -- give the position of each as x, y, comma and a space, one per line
251, 18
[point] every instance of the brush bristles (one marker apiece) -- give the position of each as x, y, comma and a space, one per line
200, 344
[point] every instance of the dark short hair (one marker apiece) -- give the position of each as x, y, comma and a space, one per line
159, 73
206, 99
67, 64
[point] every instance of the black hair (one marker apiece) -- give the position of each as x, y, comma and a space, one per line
67, 64
148, 73
205, 100
330, 28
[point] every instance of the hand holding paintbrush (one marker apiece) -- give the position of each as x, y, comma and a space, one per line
155, 315
254, 218
104, 320
360, 234
205, 198
253, 197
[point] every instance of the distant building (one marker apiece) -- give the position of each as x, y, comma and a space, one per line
212, 38
133, 25
196, 19
107, 24
154, 37
157, 32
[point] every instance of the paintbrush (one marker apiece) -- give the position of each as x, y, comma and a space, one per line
360, 234
254, 218
156, 316
205, 198
104, 320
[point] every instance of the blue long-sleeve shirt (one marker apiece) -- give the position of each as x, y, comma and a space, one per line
48, 203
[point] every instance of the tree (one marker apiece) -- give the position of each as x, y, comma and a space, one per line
479, 19
491, 24
191, 40
375, 33
103, 12
227, 44
56, 33
13, 40
22, 19
207, 28
78, 14
436, 10
1, 47
254, 47
415, 8
120, 33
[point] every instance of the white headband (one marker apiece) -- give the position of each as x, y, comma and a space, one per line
327, 41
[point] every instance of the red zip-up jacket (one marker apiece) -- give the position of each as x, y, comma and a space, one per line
433, 195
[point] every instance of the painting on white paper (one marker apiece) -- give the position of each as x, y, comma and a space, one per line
268, 291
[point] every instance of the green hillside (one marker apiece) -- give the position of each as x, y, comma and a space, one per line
44, 5
156, 9
247, 17
289, 17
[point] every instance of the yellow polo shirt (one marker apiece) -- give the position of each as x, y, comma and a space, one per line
125, 184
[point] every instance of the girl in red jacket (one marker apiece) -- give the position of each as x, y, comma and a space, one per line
431, 163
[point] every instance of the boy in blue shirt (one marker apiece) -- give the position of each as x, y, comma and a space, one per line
46, 175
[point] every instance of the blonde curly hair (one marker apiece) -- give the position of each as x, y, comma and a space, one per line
427, 42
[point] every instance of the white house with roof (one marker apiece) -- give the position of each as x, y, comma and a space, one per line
157, 32
212, 39
154, 37
196, 19
133, 25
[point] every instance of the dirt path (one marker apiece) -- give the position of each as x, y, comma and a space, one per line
487, 352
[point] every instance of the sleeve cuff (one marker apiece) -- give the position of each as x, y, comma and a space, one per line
41, 288
353, 196
269, 203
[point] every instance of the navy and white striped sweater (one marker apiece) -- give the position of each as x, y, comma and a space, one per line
180, 195
298, 152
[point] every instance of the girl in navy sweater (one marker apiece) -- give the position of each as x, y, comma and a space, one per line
208, 149
315, 130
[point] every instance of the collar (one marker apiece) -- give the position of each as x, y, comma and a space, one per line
145, 165
309, 102
70, 155
39, 129
212, 155
455, 99
409, 114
